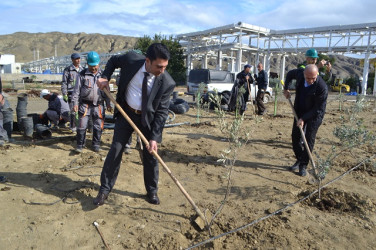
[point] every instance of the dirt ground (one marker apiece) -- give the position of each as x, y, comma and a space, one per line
46, 202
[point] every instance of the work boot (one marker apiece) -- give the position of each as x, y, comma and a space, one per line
295, 166
78, 149
302, 170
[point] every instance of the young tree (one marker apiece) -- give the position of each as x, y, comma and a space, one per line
175, 66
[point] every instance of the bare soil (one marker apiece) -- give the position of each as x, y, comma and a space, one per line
46, 202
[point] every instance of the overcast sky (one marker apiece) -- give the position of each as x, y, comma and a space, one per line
172, 17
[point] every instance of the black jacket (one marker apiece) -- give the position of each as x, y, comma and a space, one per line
262, 80
313, 99
242, 81
159, 98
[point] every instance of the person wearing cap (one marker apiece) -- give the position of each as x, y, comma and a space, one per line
58, 110
88, 101
325, 66
67, 85
244, 78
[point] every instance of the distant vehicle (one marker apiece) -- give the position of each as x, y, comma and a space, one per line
113, 86
213, 79
219, 80
339, 86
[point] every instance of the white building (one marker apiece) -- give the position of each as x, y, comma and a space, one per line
8, 64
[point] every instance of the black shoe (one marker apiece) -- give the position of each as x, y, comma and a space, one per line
97, 149
303, 170
127, 150
295, 166
153, 199
99, 200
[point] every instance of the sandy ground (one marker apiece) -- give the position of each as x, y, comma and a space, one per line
46, 202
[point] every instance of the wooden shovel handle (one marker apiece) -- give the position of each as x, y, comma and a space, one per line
304, 138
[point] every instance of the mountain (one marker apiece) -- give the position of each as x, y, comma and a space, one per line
25, 46
343, 67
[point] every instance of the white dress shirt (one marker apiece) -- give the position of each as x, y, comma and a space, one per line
133, 95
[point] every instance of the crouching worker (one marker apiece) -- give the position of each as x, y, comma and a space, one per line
88, 100
58, 110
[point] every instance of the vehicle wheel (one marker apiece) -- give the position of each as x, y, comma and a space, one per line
225, 97
179, 106
266, 99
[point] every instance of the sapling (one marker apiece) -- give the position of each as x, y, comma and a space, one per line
198, 97
352, 134
237, 136
340, 99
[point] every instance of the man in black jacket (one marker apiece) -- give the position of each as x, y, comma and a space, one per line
310, 105
148, 111
262, 84
245, 79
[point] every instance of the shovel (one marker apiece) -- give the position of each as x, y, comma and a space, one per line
250, 95
201, 220
316, 176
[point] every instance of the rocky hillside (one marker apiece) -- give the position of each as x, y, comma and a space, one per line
23, 44
343, 67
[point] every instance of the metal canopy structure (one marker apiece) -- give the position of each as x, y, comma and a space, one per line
356, 38
231, 43
57, 64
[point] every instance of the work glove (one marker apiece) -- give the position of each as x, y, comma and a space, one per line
65, 98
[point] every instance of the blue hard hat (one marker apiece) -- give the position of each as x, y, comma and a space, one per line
93, 58
247, 66
312, 53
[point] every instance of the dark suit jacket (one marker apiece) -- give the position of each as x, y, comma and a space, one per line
314, 99
159, 98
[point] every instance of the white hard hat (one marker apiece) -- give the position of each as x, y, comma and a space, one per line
44, 92
361, 78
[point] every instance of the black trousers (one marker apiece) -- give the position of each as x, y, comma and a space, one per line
111, 167
310, 129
